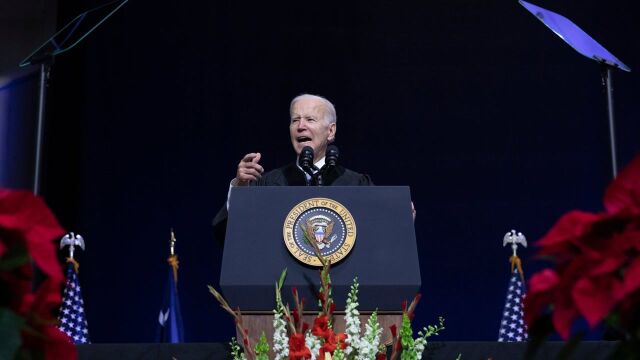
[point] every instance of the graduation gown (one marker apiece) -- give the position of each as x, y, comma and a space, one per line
291, 175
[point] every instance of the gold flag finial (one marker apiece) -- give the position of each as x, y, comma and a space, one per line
172, 243
514, 238
173, 258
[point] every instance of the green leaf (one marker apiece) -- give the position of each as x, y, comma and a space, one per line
10, 324
262, 348
13, 258
338, 354
283, 276
304, 235
406, 339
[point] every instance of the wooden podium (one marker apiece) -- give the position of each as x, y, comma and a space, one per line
384, 256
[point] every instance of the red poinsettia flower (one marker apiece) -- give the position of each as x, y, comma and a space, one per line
27, 225
542, 286
297, 348
596, 296
623, 195
564, 236
596, 255
631, 280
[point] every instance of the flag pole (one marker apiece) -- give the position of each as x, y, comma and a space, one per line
512, 327
72, 318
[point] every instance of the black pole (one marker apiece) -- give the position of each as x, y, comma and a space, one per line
607, 75
45, 68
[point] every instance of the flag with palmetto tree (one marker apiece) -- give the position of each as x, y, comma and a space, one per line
170, 328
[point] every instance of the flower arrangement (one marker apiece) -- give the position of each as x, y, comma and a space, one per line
296, 340
597, 268
27, 231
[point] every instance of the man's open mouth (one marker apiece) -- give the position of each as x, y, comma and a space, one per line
302, 139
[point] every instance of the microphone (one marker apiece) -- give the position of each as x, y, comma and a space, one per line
305, 160
332, 155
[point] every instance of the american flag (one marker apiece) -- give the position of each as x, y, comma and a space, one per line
73, 321
512, 326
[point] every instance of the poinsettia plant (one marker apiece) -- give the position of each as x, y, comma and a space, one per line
296, 340
597, 267
27, 322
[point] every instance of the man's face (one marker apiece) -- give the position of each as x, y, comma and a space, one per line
308, 127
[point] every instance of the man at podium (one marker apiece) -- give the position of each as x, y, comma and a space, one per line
312, 129
272, 227
313, 124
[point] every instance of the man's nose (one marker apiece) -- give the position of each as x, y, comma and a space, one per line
301, 125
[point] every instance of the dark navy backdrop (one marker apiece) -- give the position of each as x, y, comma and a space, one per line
492, 120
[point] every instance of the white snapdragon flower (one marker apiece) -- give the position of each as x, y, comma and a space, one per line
352, 321
280, 337
313, 343
419, 346
368, 346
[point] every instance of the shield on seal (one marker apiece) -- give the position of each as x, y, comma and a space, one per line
319, 231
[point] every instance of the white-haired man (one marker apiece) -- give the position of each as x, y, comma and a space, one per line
312, 123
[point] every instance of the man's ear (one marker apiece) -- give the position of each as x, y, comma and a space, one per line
332, 132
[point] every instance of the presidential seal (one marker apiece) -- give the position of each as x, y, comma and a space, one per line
322, 221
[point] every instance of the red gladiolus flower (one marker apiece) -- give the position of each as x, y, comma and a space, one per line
331, 343
321, 327
394, 330
296, 316
297, 348
321, 297
381, 356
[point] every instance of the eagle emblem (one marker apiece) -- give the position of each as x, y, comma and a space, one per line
319, 228
320, 222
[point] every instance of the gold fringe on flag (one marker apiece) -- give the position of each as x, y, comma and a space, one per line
515, 262
73, 261
173, 262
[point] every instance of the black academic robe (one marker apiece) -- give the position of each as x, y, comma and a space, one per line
291, 175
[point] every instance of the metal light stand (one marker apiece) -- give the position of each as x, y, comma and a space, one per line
65, 39
45, 71
607, 82
587, 46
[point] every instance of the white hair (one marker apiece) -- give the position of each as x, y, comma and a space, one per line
330, 110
